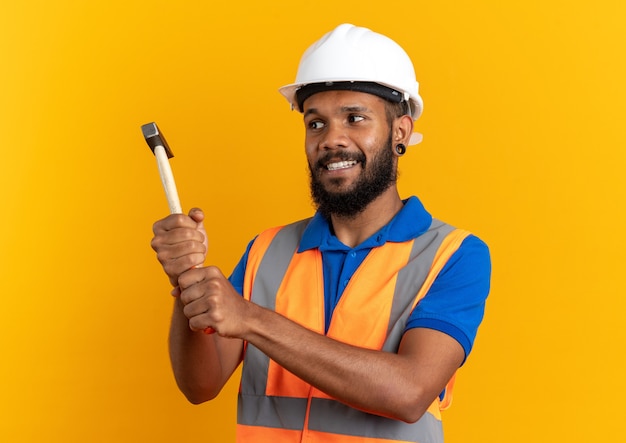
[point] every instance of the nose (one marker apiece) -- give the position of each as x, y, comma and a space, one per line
334, 137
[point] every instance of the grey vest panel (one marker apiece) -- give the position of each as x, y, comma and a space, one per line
272, 268
256, 409
325, 415
332, 417
411, 278
271, 412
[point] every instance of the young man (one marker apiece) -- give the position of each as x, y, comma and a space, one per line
350, 324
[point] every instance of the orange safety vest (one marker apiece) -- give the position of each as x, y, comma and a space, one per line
274, 405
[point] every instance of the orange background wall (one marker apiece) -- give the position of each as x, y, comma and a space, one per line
523, 144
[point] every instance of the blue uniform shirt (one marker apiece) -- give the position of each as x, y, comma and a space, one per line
455, 302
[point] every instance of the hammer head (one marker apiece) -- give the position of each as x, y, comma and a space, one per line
155, 138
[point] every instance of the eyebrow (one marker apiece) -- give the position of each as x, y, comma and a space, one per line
353, 108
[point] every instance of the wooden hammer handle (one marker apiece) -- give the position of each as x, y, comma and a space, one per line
167, 178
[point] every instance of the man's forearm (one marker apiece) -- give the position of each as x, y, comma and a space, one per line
201, 363
400, 386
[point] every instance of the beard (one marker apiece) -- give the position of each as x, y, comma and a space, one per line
376, 177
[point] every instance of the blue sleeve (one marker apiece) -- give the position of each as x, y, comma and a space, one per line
455, 303
237, 276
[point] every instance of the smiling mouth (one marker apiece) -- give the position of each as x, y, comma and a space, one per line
341, 165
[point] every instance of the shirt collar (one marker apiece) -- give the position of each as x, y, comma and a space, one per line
411, 222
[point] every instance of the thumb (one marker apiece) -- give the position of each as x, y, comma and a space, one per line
197, 215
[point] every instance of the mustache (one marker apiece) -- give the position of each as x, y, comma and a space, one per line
333, 157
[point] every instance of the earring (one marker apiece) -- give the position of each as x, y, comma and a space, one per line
400, 149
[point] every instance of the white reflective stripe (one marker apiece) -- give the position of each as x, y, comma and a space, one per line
254, 382
275, 262
271, 412
411, 278
332, 417
271, 271
336, 418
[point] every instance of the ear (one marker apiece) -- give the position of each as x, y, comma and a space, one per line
402, 129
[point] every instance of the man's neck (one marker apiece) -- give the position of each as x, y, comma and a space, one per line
352, 231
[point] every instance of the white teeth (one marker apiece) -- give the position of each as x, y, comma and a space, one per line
340, 165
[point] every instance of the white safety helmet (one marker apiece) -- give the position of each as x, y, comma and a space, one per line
355, 58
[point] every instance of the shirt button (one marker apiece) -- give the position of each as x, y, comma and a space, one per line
345, 283
353, 254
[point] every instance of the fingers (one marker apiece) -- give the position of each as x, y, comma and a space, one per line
175, 230
205, 295
174, 221
181, 256
180, 242
198, 280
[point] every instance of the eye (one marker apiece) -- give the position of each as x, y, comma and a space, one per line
315, 124
355, 118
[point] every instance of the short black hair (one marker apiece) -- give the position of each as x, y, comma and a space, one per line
396, 110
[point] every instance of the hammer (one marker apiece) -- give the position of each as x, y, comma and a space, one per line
163, 153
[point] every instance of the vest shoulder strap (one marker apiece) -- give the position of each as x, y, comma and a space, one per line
448, 247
